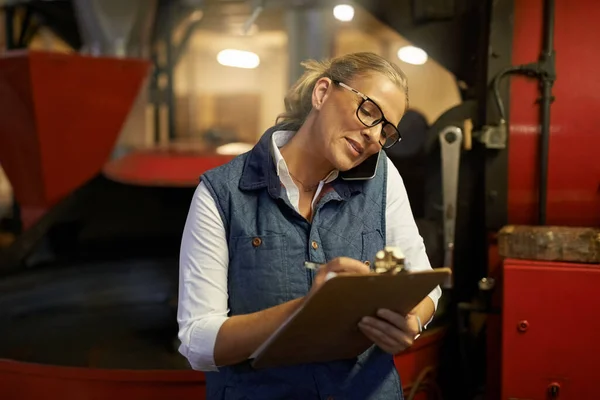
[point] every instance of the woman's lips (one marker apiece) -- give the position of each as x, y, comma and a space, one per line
355, 147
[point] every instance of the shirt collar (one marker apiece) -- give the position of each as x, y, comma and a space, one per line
260, 170
278, 140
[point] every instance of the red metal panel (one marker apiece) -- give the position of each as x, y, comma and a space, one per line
163, 167
550, 330
574, 168
26, 381
422, 357
19, 146
61, 115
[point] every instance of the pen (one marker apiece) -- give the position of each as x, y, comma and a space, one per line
317, 267
312, 265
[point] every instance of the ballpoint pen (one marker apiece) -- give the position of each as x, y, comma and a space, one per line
312, 265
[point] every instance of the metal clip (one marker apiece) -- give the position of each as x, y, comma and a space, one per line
390, 260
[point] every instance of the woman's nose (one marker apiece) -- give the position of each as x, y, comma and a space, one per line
372, 134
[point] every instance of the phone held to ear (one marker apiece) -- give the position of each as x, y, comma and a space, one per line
365, 170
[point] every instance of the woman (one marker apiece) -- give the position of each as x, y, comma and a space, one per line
317, 187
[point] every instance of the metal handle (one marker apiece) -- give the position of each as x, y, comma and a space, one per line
451, 139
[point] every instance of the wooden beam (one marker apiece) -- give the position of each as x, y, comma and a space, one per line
550, 243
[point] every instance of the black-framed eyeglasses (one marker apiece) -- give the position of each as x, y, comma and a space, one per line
370, 114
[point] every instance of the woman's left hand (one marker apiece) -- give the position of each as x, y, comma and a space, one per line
390, 331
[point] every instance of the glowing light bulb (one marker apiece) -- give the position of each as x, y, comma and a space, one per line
238, 58
412, 55
343, 12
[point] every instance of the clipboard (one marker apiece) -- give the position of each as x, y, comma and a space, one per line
325, 327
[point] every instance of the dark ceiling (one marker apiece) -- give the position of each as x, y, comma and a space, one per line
453, 32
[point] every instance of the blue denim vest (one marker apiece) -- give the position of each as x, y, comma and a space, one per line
268, 244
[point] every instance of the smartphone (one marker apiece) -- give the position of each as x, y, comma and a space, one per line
365, 170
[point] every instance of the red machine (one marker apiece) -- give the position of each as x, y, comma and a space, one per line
549, 344
46, 127
573, 197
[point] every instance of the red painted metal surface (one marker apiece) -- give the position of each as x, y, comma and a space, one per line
549, 330
163, 167
61, 115
554, 296
25, 381
574, 166
422, 358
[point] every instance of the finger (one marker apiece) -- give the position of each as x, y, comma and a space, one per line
375, 336
395, 335
382, 340
348, 265
394, 318
406, 324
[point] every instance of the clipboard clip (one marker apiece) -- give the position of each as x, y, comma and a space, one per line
390, 260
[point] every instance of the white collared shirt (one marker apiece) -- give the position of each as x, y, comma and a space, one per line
204, 257
280, 138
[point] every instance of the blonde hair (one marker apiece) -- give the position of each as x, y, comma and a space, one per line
298, 101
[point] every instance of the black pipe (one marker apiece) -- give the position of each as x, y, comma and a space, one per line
548, 76
549, 27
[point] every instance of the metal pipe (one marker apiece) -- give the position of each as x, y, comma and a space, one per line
546, 59
549, 27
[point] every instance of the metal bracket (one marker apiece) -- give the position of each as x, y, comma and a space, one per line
493, 136
451, 139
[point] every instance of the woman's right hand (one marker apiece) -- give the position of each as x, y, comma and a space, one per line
339, 266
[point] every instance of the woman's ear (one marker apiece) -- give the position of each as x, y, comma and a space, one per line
321, 92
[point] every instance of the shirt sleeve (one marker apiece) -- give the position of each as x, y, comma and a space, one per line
401, 229
203, 265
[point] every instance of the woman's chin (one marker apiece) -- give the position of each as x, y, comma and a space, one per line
344, 164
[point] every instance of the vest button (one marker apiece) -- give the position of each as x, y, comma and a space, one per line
315, 245
368, 263
256, 242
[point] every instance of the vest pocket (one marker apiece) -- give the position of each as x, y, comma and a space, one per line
265, 249
257, 276
372, 242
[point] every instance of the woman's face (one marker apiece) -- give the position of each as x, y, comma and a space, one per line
341, 137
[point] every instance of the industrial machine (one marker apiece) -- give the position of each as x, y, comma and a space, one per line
507, 182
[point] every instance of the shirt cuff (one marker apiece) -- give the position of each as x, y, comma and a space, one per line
199, 349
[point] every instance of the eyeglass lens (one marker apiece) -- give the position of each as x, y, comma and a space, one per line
370, 115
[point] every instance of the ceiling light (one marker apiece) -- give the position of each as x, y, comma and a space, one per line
412, 55
343, 12
238, 58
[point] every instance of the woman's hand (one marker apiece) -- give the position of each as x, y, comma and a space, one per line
339, 266
390, 331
